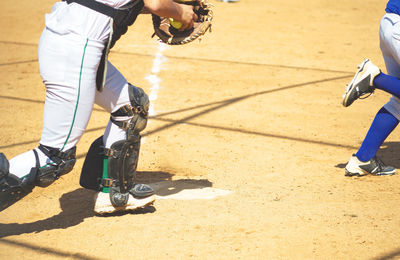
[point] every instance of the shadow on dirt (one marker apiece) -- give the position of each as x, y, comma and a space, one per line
78, 205
395, 254
389, 153
47, 251
207, 108
163, 184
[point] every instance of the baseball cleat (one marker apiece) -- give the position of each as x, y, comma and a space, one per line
140, 190
362, 83
103, 204
375, 166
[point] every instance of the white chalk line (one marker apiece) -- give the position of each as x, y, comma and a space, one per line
165, 189
153, 78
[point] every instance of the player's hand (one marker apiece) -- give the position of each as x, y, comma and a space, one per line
188, 17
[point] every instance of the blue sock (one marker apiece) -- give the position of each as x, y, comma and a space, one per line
383, 124
388, 83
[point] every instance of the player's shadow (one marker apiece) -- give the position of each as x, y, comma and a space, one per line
388, 152
78, 205
75, 205
395, 254
163, 184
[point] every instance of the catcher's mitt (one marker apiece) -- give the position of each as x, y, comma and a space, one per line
170, 35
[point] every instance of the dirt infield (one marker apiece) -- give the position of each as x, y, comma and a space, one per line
252, 110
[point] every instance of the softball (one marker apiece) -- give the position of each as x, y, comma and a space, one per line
176, 24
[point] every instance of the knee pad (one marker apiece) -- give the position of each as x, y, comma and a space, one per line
138, 111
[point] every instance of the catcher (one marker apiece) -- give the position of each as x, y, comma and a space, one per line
72, 52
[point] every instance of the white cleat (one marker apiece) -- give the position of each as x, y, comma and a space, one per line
362, 83
375, 166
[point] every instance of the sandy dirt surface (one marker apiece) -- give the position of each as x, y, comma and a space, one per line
252, 111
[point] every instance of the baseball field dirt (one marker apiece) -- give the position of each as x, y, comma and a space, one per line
246, 143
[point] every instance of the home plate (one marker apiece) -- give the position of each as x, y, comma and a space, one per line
187, 189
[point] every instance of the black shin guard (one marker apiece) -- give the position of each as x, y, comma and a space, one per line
116, 166
95, 176
12, 188
122, 163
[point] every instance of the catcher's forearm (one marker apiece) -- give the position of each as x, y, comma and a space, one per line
165, 8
